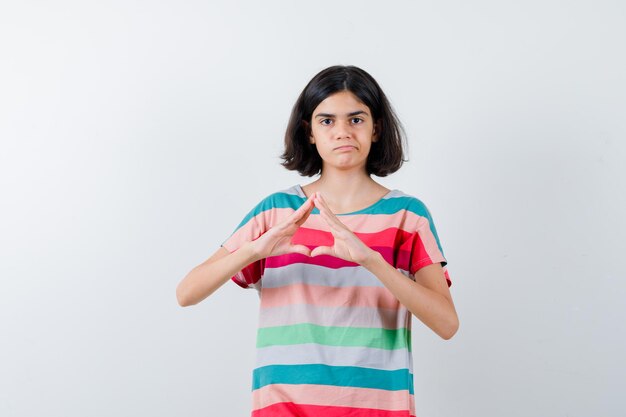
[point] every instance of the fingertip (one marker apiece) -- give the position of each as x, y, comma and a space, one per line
303, 249
320, 250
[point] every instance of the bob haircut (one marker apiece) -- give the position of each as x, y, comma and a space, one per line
386, 154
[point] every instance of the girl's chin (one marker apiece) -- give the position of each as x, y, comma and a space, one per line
345, 164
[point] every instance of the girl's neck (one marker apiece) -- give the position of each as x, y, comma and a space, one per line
346, 192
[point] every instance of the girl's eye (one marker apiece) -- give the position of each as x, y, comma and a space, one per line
326, 122
356, 120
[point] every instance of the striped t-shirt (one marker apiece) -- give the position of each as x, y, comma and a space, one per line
332, 340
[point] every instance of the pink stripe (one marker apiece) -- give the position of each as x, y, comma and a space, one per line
255, 226
429, 244
288, 409
425, 249
368, 223
361, 223
328, 395
332, 316
319, 295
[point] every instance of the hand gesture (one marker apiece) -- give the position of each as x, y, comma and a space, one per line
347, 245
277, 240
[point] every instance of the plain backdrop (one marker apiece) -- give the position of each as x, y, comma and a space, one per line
135, 135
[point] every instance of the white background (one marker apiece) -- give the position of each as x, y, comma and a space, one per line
135, 135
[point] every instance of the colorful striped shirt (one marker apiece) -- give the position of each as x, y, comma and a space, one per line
332, 340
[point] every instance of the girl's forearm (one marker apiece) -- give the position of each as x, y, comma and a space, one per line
432, 308
207, 277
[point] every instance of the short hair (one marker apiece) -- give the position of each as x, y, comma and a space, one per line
386, 154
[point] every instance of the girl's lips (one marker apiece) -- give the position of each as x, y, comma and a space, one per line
345, 148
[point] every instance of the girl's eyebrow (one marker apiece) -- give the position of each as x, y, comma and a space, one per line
354, 113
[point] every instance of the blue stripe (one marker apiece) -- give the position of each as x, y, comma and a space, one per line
343, 376
276, 200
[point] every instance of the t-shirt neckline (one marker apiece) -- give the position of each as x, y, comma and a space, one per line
301, 194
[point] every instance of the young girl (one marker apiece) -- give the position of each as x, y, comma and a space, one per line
341, 264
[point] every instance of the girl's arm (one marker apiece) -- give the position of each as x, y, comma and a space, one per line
428, 297
207, 277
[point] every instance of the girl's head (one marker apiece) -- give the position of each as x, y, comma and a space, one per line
387, 151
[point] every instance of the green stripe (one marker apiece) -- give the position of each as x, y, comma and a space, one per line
340, 376
334, 336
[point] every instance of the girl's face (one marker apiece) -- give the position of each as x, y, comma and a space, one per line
343, 130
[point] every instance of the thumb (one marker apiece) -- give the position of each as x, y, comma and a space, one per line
301, 249
322, 250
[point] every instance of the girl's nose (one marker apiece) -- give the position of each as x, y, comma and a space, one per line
342, 130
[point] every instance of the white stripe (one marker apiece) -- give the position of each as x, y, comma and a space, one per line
395, 194
381, 318
300, 273
311, 353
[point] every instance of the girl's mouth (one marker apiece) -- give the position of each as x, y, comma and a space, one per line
345, 148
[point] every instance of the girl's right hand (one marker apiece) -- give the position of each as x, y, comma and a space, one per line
277, 240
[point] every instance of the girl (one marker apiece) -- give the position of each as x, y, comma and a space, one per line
341, 264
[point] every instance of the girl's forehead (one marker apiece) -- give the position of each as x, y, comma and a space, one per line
341, 100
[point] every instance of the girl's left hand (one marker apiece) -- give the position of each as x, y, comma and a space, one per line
347, 245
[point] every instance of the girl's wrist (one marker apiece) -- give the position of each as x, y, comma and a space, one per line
251, 252
372, 260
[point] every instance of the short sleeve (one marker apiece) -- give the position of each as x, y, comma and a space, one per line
269, 212
426, 248
250, 228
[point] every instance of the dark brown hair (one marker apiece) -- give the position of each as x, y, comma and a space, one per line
386, 154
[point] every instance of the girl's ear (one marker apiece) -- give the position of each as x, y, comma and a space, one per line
308, 130
376, 131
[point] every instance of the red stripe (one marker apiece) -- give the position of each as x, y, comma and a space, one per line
314, 237
445, 273
401, 249
393, 243
399, 259
420, 256
299, 410
296, 258
250, 274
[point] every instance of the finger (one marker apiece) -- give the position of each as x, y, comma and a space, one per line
322, 250
304, 209
332, 222
307, 213
319, 201
301, 249
306, 206
328, 215
321, 204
